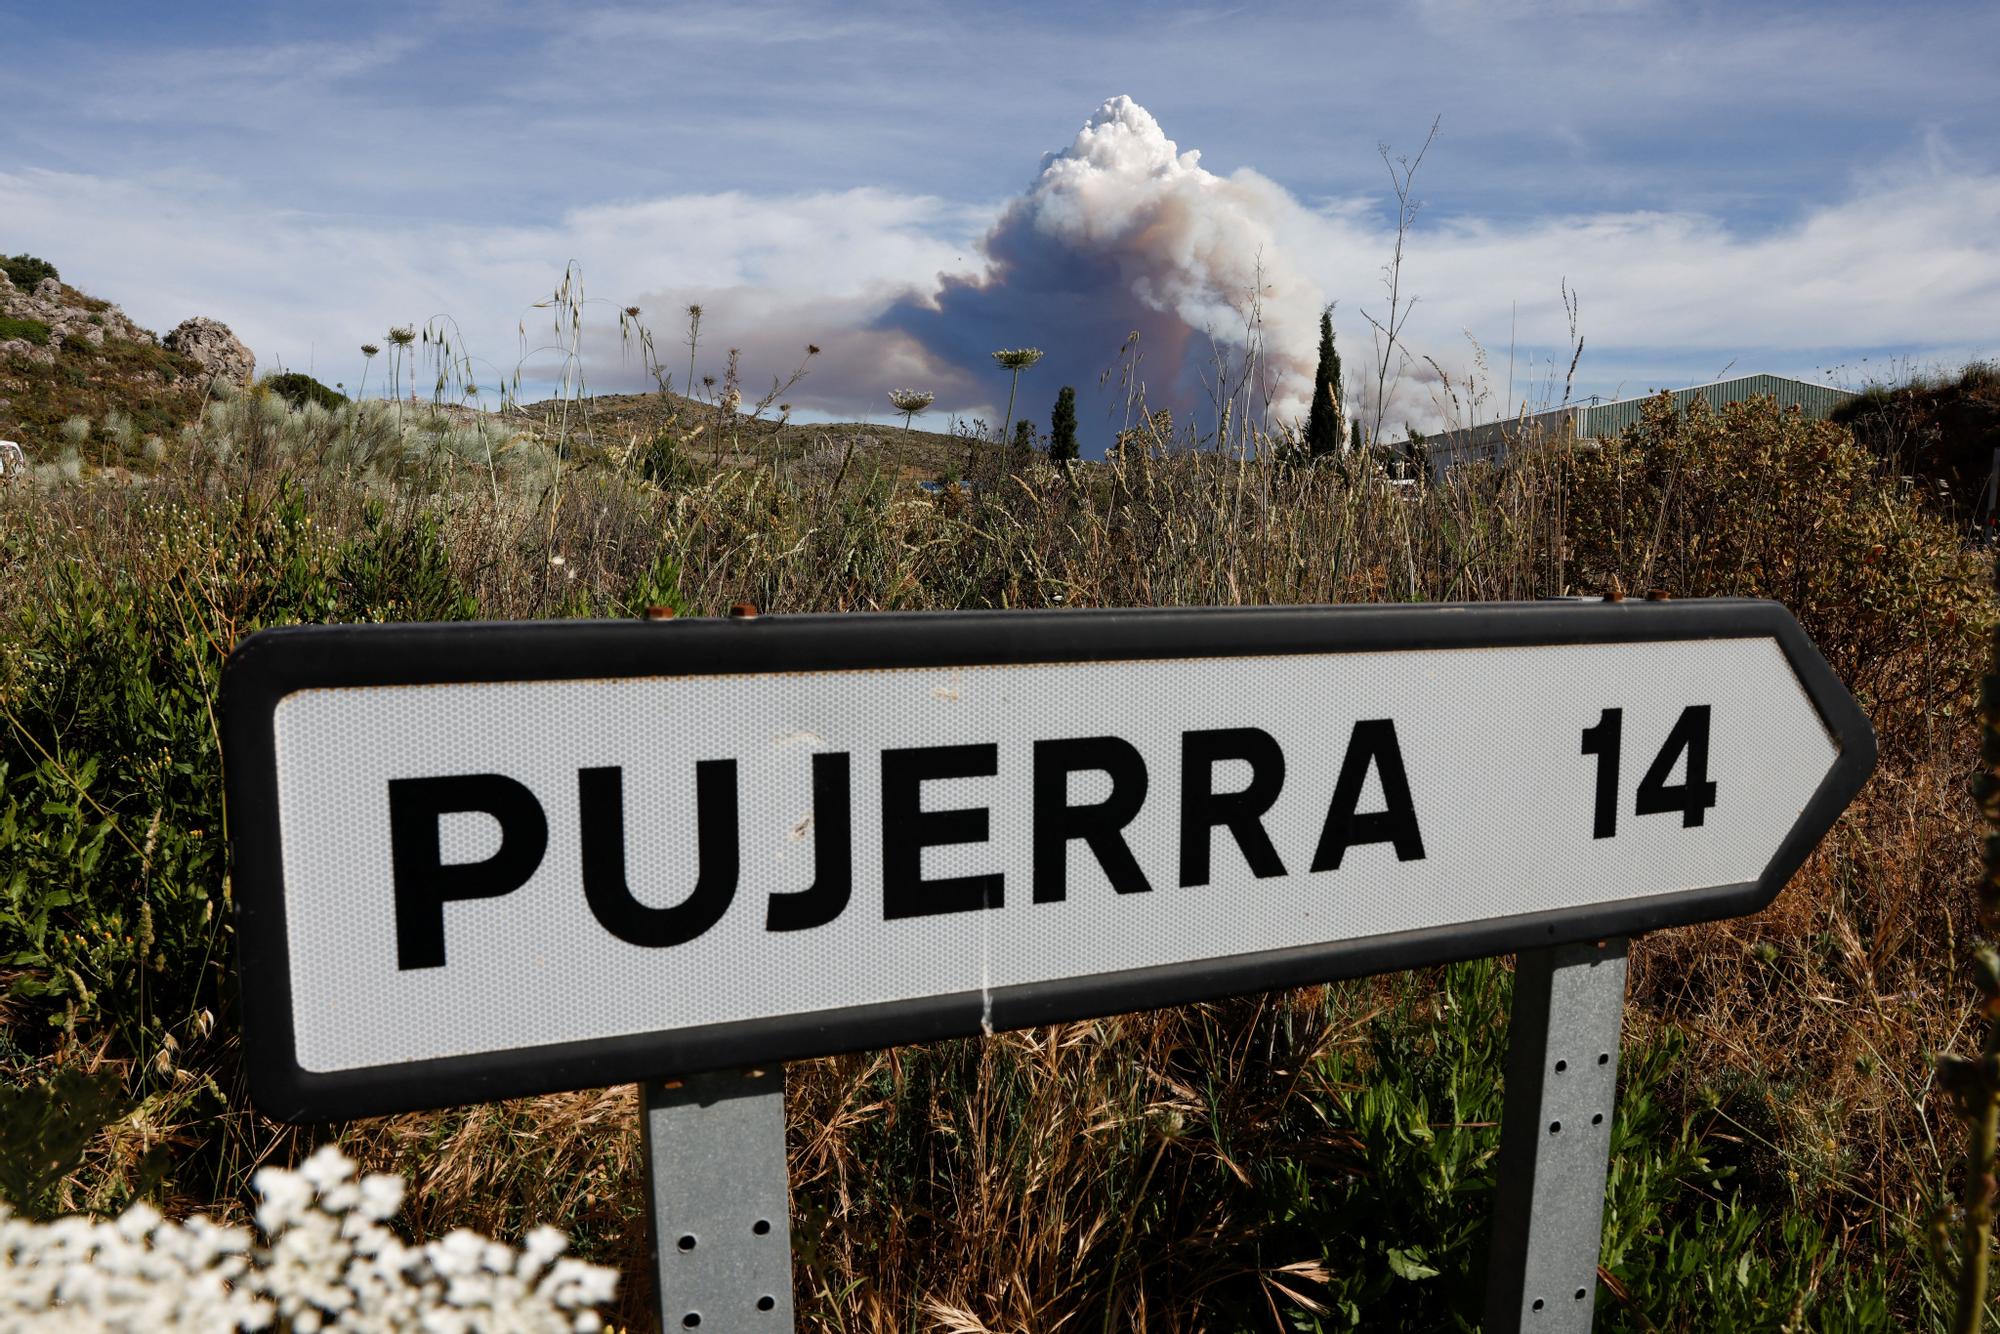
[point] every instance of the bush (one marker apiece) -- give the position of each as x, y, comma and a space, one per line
1759, 501
667, 464
114, 924
298, 389
26, 271
33, 331
1940, 429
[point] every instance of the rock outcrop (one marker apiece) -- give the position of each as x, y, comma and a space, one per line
210, 345
66, 354
71, 317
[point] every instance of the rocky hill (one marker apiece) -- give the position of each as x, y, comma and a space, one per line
77, 373
66, 355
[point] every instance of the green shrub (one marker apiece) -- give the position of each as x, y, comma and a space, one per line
114, 917
25, 271
1759, 501
45, 1129
298, 389
667, 465
33, 331
1686, 1247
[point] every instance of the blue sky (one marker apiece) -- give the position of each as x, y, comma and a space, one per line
1790, 188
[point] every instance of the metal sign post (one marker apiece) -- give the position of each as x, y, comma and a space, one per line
721, 1202
475, 862
1555, 1137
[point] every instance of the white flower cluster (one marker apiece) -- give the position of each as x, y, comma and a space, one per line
328, 1263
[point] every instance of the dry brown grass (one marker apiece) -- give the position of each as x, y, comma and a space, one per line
983, 1186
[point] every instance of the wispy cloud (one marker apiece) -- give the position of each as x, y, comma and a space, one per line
1907, 259
1783, 187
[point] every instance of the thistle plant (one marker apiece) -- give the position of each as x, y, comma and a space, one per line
693, 341
910, 402
732, 383
368, 354
1015, 359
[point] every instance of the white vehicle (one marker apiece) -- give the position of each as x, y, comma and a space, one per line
13, 460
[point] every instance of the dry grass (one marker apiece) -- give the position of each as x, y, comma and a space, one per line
1109, 1175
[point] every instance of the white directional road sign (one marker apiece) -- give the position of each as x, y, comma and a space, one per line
474, 861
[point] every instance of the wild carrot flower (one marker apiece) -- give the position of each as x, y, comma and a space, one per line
910, 402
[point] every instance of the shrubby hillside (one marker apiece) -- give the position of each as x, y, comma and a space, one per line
1318, 1159
77, 376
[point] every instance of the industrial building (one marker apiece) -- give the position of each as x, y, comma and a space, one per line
1491, 441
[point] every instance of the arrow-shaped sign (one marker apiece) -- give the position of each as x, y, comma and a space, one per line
476, 861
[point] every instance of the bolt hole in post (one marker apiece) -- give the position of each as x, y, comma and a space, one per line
766, 1303
687, 1242
691, 1319
1561, 1066
762, 1227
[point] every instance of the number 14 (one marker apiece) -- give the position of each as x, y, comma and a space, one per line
1692, 796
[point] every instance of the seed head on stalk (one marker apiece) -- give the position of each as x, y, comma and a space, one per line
400, 337
1015, 359
910, 402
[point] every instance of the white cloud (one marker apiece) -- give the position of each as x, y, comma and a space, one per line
1906, 260
298, 287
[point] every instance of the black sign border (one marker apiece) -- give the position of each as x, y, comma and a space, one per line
272, 664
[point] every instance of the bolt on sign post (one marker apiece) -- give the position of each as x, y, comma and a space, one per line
473, 862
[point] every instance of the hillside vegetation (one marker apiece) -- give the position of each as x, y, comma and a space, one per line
1311, 1160
1941, 430
70, 358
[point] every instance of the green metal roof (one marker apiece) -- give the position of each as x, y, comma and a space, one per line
1816, 400
1490, 441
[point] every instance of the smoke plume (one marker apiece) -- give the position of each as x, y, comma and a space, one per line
1122, 232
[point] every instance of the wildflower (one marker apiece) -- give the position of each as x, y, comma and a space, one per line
910, 402
1015, 359
328, 1262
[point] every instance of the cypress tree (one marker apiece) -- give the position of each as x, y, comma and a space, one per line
1323, 423
1062, 427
